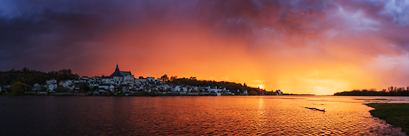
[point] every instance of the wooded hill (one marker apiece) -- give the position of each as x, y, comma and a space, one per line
392, 91
30, 77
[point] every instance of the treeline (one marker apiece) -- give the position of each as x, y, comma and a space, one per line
233, 87
392, 91
30, 77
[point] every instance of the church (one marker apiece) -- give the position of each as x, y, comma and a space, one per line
120, 77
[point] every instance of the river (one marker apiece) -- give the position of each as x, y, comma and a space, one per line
196, 115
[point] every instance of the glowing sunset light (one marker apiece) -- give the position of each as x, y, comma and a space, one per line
305, 47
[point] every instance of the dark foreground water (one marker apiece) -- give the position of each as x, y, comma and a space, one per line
202, 115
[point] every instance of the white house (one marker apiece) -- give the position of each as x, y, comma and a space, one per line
129, 79
177, 89
51, 81
84, 78
140, 81
195, 88
279, 92
184, 89
118, 80
51, 84
112, 88
51, 87
66, 83
108, 81
93, 79
214, 89
150, 79
93, 84
104, 86
36, 87
80, 81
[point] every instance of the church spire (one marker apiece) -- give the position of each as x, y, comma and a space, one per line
116, 69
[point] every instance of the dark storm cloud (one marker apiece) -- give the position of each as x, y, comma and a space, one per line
237, 17
47, 33
47, 37
50, 35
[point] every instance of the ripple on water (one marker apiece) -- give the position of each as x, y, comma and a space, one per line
242, 115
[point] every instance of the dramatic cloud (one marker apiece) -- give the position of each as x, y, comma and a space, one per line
301, 46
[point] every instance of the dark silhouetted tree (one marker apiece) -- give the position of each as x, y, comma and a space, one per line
164, 78
18, 89
173, 78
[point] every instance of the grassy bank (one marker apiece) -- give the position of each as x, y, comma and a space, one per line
394, 113
5, 94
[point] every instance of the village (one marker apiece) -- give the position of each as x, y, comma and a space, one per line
125, 84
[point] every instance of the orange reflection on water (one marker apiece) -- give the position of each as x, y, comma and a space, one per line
243, 115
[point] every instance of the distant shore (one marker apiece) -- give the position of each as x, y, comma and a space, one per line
391, 91
393, 113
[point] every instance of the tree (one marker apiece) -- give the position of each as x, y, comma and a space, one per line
95, 88
30, 77
192, 78
173, 78
18, 88
84, 87
164, 78
132, 89
25, 70
60, 88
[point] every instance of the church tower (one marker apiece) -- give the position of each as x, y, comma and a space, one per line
117, 73
116, 69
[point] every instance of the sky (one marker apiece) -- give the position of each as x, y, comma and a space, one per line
298, 46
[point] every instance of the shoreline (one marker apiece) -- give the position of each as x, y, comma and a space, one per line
393, 113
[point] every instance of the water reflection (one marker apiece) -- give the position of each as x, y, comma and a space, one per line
235, 115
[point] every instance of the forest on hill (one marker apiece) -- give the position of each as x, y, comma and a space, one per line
392, 91
232, 86
30, 77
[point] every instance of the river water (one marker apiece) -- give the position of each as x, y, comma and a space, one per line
198, 115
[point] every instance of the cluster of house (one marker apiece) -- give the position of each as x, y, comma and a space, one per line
124, 81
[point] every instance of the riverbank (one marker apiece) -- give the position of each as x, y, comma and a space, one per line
393, 113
